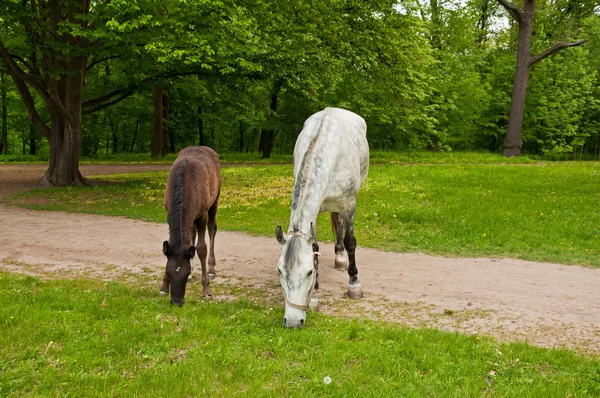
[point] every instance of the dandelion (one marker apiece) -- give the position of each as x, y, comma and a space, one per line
327, 380
484, 235
375, 214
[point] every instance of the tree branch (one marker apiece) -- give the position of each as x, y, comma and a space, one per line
513, 10
107, 104
98, 61
34, 116
37, 82
554, 49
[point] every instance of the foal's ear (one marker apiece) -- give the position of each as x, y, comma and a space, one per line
190, 252
312, 234
281, 238
166, 248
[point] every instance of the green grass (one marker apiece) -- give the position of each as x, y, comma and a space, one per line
543, 212
86, 338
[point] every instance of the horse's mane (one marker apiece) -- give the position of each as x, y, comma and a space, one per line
174, 217
306, 165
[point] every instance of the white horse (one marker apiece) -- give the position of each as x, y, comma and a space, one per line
331, 162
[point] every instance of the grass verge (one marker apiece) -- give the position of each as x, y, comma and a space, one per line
88, 338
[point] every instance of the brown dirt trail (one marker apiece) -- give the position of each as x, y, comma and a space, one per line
545, 304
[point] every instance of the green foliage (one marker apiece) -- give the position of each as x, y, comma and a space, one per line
422, 75
86, 338
479, 206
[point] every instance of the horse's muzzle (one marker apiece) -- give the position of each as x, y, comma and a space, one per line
293, 324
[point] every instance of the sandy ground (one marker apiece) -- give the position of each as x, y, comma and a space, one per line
549, 305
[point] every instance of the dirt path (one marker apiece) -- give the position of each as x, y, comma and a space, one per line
545, 304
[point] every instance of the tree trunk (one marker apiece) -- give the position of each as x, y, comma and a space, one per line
241, 136
32, 139
137, 127
513, 141
115, 137
200, 127
168, 133
267, 136
65, 108
157, 138
4, 136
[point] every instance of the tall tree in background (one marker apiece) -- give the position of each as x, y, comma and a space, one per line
524, 18
4, 134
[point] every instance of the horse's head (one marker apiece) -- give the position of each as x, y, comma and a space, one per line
297, 274
179, 268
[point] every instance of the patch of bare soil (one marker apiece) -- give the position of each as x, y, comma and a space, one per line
549, 305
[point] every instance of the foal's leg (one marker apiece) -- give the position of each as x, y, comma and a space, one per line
341, 258
212, 231
354, 286
194, 227
202, 251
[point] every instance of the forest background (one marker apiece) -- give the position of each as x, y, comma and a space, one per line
152, 77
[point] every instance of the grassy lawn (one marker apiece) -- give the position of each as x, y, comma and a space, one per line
470, 206
87, 338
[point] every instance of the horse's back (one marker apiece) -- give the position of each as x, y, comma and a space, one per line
331, 161
335, 140
198, 169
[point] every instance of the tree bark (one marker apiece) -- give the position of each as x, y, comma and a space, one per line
157, 138
4, 136
32, 140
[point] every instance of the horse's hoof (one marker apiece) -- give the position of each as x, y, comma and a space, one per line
355, 290
314, 304
341, 265
341, 262
211, 276
208, 296
162, 293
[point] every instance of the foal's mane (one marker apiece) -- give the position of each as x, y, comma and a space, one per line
175, 215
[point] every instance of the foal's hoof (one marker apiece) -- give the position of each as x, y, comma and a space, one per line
355, 290
211, 276
162, 293
341, 262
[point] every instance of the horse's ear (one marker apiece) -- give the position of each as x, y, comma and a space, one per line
190, 252
166, 248
312, 234
281, 238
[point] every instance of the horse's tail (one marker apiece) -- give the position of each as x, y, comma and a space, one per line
175, 216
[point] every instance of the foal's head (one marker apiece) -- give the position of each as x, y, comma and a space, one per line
179, 268
297, 274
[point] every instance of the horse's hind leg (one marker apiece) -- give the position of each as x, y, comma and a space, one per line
354, 286
341, 258
212, 231
202, 251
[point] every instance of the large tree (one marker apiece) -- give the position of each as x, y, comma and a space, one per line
48, 46
524, 18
